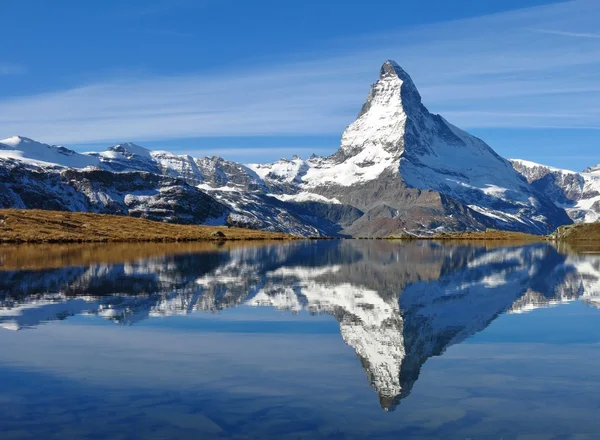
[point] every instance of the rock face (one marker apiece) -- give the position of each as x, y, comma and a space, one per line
399, 169
577, 192
137, 194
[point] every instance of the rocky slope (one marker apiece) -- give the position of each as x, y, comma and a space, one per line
131, 180
399, 169
140, 194
577, 192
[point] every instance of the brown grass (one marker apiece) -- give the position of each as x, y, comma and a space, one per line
587, 232
488, 235
38, 226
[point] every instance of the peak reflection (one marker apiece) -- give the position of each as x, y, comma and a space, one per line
397, 304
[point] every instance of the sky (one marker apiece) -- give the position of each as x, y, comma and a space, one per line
259, 80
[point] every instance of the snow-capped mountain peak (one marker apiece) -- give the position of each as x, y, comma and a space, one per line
408, 91
594, 169
381, 122
130, 149
127, 157
14, 141
27, 150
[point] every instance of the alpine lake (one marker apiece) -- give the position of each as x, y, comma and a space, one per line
337, 339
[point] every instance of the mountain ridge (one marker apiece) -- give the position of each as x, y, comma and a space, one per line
577, 192
398, 169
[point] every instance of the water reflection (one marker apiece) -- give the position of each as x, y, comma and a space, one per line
397, 304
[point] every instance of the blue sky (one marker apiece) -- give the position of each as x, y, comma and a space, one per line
255, 81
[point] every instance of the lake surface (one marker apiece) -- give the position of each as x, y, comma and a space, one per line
302, 340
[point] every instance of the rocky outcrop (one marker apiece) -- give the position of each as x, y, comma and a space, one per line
138, 194
578, 193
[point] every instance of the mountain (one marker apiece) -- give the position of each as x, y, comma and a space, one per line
26, 150
407, 169
145, 195
397, 305
399, 169
577, 192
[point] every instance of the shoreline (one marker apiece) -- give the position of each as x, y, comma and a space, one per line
34, 226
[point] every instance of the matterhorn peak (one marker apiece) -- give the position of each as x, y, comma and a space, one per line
393, 92
392, 71
391, 67
381, 123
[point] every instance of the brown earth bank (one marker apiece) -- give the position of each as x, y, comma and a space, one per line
586, 232
39, 226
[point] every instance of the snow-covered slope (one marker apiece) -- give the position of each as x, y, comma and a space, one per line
577, 192
593, 169
27, 150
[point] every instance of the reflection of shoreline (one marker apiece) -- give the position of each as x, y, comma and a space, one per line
54, 256
397, 304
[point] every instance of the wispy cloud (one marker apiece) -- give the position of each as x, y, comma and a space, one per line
490, 71
567, 34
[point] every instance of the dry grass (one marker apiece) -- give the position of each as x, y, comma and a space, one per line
488, 235
38, 226
588, 232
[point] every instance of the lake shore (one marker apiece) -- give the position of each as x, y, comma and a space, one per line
586, 232
489, 235
40, 226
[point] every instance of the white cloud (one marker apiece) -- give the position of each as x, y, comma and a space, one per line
494, 71
568, 34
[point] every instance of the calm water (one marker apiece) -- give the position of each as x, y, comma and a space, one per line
307, 340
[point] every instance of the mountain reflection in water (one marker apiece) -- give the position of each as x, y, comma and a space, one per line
397, 304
